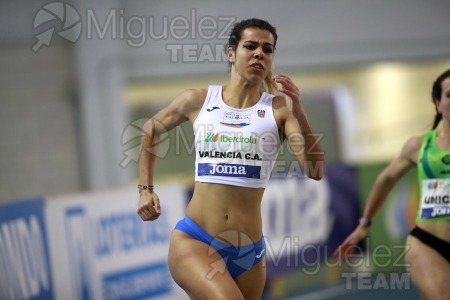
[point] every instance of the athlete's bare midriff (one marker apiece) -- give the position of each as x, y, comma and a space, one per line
440, 229
225, 210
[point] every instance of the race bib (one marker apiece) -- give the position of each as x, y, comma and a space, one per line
435, 202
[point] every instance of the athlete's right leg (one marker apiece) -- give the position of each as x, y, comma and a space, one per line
429, 271
199, 270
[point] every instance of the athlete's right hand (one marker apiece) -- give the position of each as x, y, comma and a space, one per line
149, 207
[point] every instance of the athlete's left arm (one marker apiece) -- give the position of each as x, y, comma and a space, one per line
301, 139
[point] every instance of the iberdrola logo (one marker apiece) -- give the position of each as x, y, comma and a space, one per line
212, 137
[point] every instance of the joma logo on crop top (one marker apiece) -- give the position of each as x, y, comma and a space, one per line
229, 170
224, 169
214, 137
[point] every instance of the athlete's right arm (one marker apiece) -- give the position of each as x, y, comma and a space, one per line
184, 107
384, 183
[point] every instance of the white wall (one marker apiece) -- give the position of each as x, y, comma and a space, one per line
38, 130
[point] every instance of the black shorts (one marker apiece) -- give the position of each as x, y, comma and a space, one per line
441, 246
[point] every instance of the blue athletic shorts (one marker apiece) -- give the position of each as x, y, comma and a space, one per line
237, 258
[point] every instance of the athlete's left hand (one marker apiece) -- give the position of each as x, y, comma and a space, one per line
351, 243
288, 88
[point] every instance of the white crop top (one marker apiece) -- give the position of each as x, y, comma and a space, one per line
235, 146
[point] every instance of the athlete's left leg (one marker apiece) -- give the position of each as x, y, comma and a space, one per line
251, 282
429, 271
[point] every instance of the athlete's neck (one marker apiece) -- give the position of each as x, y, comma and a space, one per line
241, 95
443, 135
444, 128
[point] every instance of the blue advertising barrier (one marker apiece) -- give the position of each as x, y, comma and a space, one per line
25, 271
101, 249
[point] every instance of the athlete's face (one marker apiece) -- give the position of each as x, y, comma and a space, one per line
443, 105
254, 54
